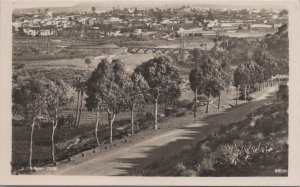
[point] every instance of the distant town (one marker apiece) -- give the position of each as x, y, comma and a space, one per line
154, 23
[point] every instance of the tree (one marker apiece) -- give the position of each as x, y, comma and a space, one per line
256, 74
78, 85
46, 10
136, 90
93, 9
241, 77
283, 13
162, 77
212, 88
29, 100
159, 16
201, 77
210, 15
106, 91
195, 76
95, 86
226, 75
56, 99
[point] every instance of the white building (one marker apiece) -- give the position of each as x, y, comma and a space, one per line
50, 13
114, 19
261, 26
183, 32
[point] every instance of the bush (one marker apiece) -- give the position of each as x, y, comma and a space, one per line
184, 104
206, 165
283, 93
66, 121
145, 120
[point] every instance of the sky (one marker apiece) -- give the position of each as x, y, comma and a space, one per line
51, 3
69, 3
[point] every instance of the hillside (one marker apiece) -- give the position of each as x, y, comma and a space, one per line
255, 146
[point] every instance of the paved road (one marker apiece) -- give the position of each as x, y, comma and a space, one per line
120, 161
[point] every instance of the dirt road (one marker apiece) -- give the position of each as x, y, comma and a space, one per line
121, 161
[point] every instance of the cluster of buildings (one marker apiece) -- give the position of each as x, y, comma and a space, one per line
157, 23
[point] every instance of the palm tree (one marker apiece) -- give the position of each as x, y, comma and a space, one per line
82, 89
77, 87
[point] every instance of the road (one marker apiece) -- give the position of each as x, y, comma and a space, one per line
121, 161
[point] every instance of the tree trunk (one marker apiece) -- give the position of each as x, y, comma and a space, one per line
96, 129
80, 111
77, 109
195, 108
237, 94
219, 101
111, 121
207, 104
259, 87
245, 92
31, 142
109, 129
272, 82
248, 90
132, 121
55, 122
155, 115
52, 141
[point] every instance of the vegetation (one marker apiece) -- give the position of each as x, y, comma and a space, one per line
209, 77
163, 80
40, 99
255, 146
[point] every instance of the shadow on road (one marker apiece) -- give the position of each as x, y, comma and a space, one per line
187, 136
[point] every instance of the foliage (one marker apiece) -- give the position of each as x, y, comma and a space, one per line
29, 99
241, 75
55, 96
162, 77
136, 89
238, 149
283, 93
206, 76
163, 80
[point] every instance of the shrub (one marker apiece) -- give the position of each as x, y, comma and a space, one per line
145, 120
183, 104
206, 165
179, 167
65, 121
283, 93
188, 173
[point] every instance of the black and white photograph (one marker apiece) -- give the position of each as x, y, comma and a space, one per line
136, 88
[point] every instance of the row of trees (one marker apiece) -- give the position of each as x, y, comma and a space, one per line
109, 88
257, 72
40, 100
209, 76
